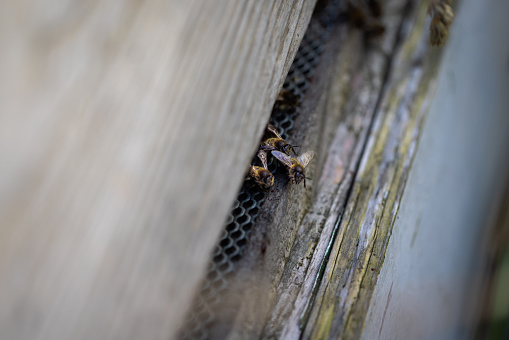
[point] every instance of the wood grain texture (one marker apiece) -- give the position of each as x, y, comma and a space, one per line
125, 129
364, 229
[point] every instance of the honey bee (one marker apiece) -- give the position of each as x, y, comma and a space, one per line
296, 166
287, 100
260, 174
278, 143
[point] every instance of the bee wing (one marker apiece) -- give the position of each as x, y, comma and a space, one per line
283, 158
306, 158
263, 157
273, 129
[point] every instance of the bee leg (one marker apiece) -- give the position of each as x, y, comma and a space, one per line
295, 146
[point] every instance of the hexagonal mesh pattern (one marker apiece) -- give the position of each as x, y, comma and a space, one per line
250, 199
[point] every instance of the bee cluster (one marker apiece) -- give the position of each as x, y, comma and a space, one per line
281, 150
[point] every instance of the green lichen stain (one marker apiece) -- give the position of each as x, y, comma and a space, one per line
324, 324
399, 169
362, 281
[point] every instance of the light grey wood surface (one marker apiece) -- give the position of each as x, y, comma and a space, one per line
428, 287
124, 131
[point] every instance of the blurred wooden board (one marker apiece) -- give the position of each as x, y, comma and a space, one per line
125, 129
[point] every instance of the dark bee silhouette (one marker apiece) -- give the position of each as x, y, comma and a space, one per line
364, 16
287, 100
260, 174
296, 166
278, 143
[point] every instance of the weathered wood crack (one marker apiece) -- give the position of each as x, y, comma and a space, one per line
318, 280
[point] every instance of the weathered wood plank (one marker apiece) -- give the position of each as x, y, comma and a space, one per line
126, 128
343, 299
